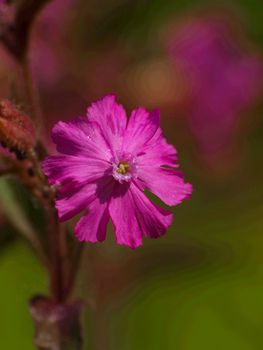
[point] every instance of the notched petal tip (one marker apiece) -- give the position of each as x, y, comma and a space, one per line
188, 190
92, 226
155, 114
58, 130
105, 104
130, 245
82, 236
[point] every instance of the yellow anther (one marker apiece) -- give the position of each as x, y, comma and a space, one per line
123, 168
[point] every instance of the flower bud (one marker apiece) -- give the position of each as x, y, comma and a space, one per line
16, 130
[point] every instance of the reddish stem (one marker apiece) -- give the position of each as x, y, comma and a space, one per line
74, 268
58, 251
16, 36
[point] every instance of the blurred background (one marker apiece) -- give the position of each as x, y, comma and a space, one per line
201, 285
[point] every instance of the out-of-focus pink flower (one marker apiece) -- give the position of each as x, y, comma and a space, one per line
106, 164
224, 78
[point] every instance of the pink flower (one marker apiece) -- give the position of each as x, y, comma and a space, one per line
224, 76
106, 164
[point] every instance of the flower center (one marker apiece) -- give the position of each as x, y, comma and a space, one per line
123, 168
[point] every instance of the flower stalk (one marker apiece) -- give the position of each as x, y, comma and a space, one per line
56, 319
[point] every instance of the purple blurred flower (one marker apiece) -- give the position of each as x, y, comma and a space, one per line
106, 164
224, 79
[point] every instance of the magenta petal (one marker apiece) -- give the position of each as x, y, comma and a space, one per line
61, 169
141, 128
158, 152
112, 119
72, 199
86, 141
92, 226
134, 216
153, 220
122, 212
168, 184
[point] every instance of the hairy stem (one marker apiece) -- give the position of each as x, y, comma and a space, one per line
56, 321
26, 14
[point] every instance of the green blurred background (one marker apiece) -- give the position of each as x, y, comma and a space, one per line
201, 285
